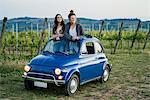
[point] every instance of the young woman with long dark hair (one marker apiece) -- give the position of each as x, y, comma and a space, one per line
58, 33
59, 27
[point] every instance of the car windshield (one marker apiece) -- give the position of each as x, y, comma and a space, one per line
64, 47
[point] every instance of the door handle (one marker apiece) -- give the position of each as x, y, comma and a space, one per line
100, 57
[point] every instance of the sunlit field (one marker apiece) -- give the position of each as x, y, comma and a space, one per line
129, 79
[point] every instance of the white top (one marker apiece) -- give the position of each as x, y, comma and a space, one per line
73, 31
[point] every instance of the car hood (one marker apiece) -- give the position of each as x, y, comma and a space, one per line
56, 60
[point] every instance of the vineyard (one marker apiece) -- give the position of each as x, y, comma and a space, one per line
30, 43
26, 43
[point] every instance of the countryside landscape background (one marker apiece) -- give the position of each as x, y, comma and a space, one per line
30, 23
129, 78
122, 26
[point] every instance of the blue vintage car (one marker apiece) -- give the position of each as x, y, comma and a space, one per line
76, 63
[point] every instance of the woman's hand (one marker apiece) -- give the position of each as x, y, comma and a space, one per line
54, 36
78, 38
75, 38
57, 38
60, 35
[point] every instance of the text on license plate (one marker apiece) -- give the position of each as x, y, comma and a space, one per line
40, 84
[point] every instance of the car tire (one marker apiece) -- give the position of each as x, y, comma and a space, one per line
72, 85
29, 85
105, 76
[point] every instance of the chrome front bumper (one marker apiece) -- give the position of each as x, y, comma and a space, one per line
57, 82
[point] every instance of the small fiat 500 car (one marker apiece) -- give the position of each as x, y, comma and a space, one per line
68, 64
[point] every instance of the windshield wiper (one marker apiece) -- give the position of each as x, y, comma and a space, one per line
48, 52
62, 52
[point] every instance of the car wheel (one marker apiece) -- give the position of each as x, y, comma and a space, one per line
72, 85
29, 85
105, 76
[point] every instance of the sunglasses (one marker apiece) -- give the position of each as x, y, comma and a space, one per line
59, 17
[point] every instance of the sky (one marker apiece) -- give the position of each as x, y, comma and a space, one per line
97, 9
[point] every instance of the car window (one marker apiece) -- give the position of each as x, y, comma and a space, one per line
98, 48
67, 47
84, 49
90, 48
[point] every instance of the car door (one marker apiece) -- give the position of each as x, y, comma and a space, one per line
88, 63
100, 58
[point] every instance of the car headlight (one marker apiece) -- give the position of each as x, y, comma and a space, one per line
57, 71
27, 68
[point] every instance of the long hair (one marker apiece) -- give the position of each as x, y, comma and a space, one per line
56, 23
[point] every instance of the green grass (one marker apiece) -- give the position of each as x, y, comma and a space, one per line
129, 79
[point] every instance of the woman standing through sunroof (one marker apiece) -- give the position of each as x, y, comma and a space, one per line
58, 33
74, 31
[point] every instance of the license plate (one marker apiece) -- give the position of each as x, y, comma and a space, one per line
40, 84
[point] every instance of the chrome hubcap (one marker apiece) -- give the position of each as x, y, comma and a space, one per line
73, 85
106, 74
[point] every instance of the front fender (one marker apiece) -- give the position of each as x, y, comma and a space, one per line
70, 73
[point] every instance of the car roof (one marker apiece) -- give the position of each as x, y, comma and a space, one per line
89, 39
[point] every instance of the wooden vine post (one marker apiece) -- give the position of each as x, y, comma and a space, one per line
3, 30
136, 31
101, 29
42, 36
146, 39
119, 37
